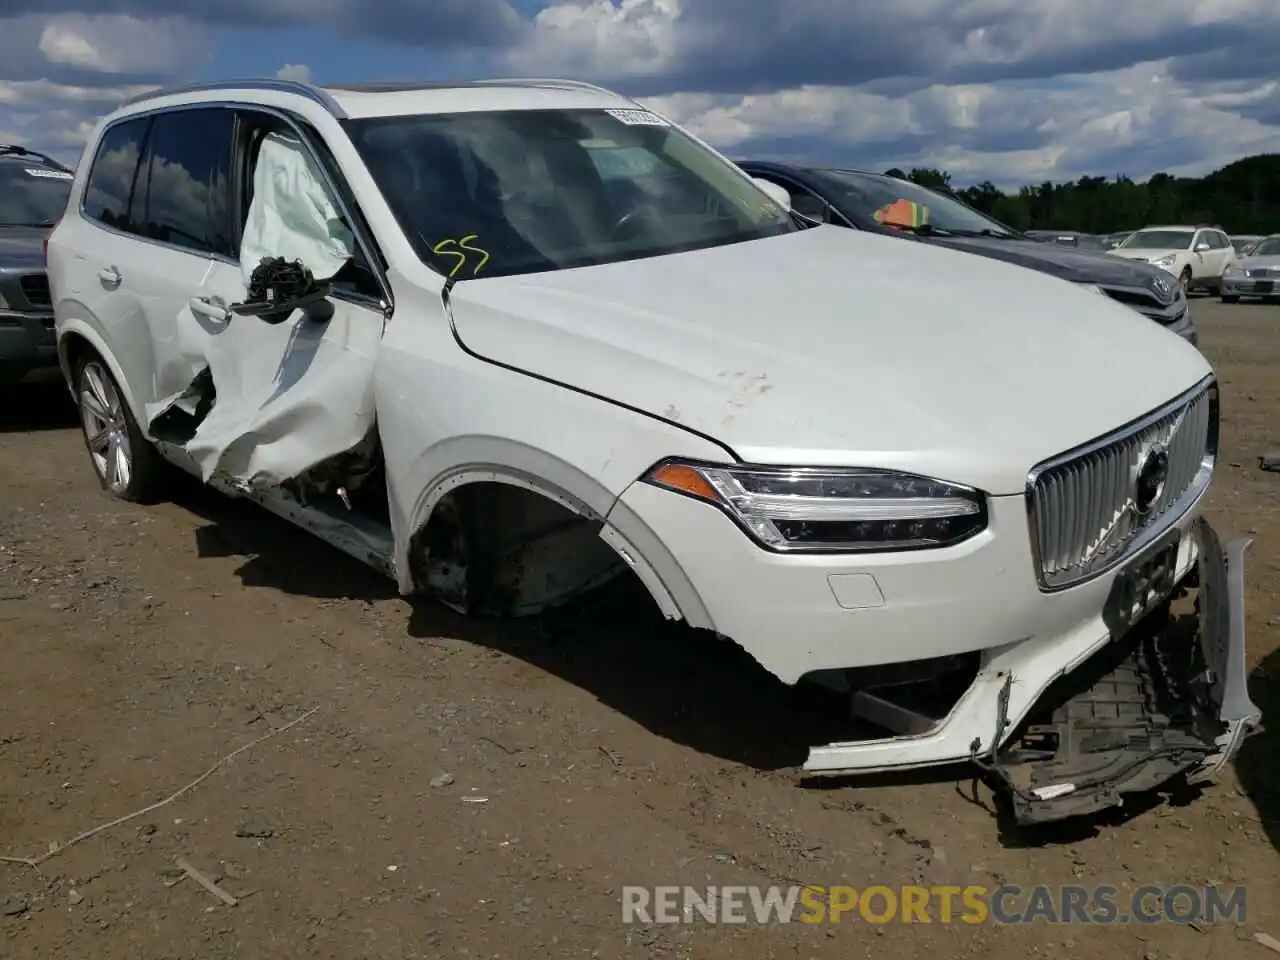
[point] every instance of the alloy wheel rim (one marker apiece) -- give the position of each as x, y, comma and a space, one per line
105, 429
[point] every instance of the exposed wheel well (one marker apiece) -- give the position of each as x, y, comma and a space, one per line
494, 548
73, 348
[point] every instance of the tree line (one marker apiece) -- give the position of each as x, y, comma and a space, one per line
1243, 197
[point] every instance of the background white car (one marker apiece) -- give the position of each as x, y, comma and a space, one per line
1197, 256
1256, 274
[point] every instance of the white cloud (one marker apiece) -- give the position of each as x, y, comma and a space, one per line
121, 44
1013, 133
294, 71
603, 36
1011, 90
55, 117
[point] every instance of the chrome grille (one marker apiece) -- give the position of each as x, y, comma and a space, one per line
1081, 506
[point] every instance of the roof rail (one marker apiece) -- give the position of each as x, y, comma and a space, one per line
402, 86
395, 86
13, 150
297, 87
553, 83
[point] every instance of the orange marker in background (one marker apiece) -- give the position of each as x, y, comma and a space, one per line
903, 213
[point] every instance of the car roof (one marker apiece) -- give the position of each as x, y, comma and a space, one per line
781, 165
360, 100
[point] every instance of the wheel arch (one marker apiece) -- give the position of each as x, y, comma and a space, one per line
76, 340
532, 473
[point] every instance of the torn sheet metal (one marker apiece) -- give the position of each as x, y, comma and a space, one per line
293, 394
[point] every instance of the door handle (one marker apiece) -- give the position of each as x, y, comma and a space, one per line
206, 308
110, 276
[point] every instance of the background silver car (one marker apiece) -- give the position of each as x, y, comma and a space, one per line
1254, 275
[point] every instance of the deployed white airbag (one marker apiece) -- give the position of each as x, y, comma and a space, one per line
293, 394
292, 214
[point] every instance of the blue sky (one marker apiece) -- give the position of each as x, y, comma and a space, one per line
1014, 91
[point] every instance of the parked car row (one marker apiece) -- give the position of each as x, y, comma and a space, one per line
1200, 256
506, 340
1074, 238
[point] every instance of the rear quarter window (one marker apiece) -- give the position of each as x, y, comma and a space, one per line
110, 197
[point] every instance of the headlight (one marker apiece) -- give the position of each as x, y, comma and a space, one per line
810, 509
1092, 288
1168, 261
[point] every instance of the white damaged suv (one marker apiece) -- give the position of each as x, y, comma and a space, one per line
507, 339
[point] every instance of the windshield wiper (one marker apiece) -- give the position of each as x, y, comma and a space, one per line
994, 234
923, 230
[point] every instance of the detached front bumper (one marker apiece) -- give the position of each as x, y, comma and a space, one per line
1164, 699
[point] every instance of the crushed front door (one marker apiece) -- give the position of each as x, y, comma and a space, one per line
285, 395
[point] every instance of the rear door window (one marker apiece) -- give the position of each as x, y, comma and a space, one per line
188, 180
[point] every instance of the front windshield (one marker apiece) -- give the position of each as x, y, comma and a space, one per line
497, 193
32, 195
903, 204
1159, 240
1269, 247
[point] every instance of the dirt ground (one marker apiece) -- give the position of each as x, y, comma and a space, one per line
599, 748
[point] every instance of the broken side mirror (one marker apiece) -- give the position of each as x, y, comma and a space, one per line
278, 287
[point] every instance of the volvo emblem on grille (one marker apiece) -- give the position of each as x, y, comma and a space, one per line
1152, 474
1163, 288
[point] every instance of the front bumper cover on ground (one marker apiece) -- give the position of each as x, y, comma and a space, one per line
1169, 699
1166, 698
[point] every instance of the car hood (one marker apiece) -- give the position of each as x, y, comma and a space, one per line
1068, 263
1138, 253
1271, 261
22, 247
836, 348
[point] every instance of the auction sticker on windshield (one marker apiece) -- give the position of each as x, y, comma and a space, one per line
638, 118
48, 174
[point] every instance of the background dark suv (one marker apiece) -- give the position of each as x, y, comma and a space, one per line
33, 196
852, 198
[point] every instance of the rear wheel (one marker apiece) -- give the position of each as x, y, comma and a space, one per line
126, 464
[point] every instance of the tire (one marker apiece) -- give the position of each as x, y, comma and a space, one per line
124, 461
1184, 278
1228, 298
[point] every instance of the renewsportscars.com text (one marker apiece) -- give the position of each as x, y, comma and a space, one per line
974, 904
